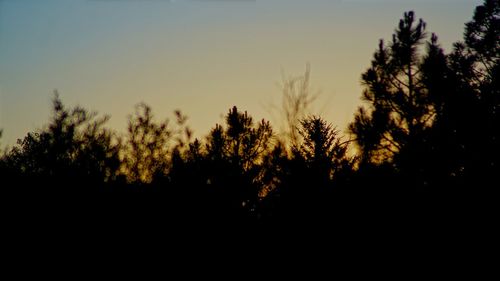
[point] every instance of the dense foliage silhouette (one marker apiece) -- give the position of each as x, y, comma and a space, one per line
428, 131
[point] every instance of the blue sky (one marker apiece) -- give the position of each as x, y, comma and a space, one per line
198, 56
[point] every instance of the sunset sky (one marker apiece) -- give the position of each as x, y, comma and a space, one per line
198, 56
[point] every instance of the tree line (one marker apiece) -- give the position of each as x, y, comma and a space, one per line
428, 127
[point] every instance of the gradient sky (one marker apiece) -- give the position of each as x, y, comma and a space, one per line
198, 56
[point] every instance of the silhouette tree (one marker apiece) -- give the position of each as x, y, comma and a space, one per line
394, 128
225, 175
442, 146
322, 150
74, 148
482, 39
306, 179
466, 97
146, 148
235, 156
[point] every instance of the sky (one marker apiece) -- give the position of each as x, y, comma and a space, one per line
199, 56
